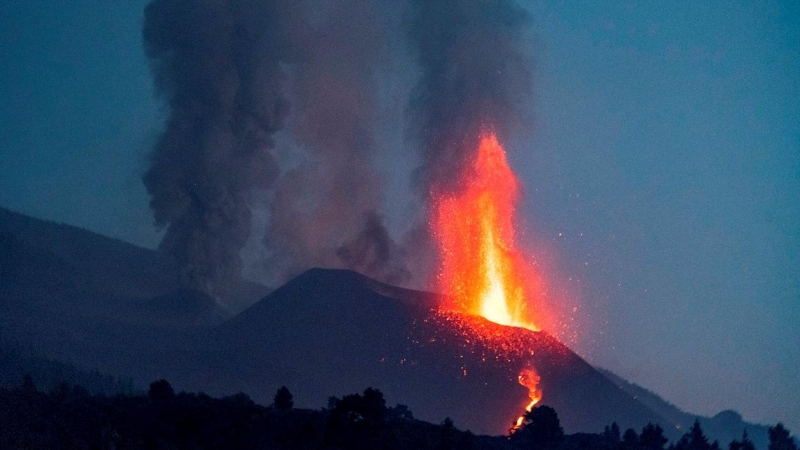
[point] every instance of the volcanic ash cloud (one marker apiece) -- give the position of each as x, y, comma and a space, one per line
475, 70
226, 70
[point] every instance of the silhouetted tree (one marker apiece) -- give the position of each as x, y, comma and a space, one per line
694, 439
240, 401
60, 392
540, 429
160, 390
447, 440
374, 407
332, 401
652, 437
611, 434
72, 418
283, 400
630, 441
356, 420
744, 444
399, 412
780, 438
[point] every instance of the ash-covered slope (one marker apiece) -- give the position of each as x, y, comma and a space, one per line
337, 332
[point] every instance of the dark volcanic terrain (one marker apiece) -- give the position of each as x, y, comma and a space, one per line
335, 331
98, 303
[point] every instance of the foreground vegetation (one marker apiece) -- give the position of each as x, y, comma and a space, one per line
69, 417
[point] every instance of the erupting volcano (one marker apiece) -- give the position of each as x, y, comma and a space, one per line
481, 270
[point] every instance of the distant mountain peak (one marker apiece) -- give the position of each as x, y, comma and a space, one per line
724, 426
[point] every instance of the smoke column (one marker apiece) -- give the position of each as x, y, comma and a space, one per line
216, 65
325, 210
226, 70
474, 70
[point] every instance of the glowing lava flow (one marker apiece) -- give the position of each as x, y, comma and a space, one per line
530, 379
480, 268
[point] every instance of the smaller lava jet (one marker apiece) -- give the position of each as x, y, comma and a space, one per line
530, 379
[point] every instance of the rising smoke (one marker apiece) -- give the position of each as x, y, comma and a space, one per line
228, 71
475, 72
225, 69
216, 65
325, 210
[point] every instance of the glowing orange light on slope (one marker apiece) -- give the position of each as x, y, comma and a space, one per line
530, 379
480, 268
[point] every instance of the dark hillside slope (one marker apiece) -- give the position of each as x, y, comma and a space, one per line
98, 303
109, 265
56, 271
98, 266
17, 362
330, 331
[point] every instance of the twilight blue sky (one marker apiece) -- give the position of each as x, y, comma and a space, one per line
662, 175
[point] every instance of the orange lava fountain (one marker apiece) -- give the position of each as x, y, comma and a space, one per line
480, 268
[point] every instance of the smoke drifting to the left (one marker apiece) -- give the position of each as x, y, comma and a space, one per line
226, 70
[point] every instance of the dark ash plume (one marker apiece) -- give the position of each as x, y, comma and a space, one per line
474, 73
216, 66
318, 209
374, 252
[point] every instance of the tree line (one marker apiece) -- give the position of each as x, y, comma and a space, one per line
70, 417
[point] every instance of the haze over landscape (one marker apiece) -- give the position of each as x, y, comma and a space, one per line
658, 151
